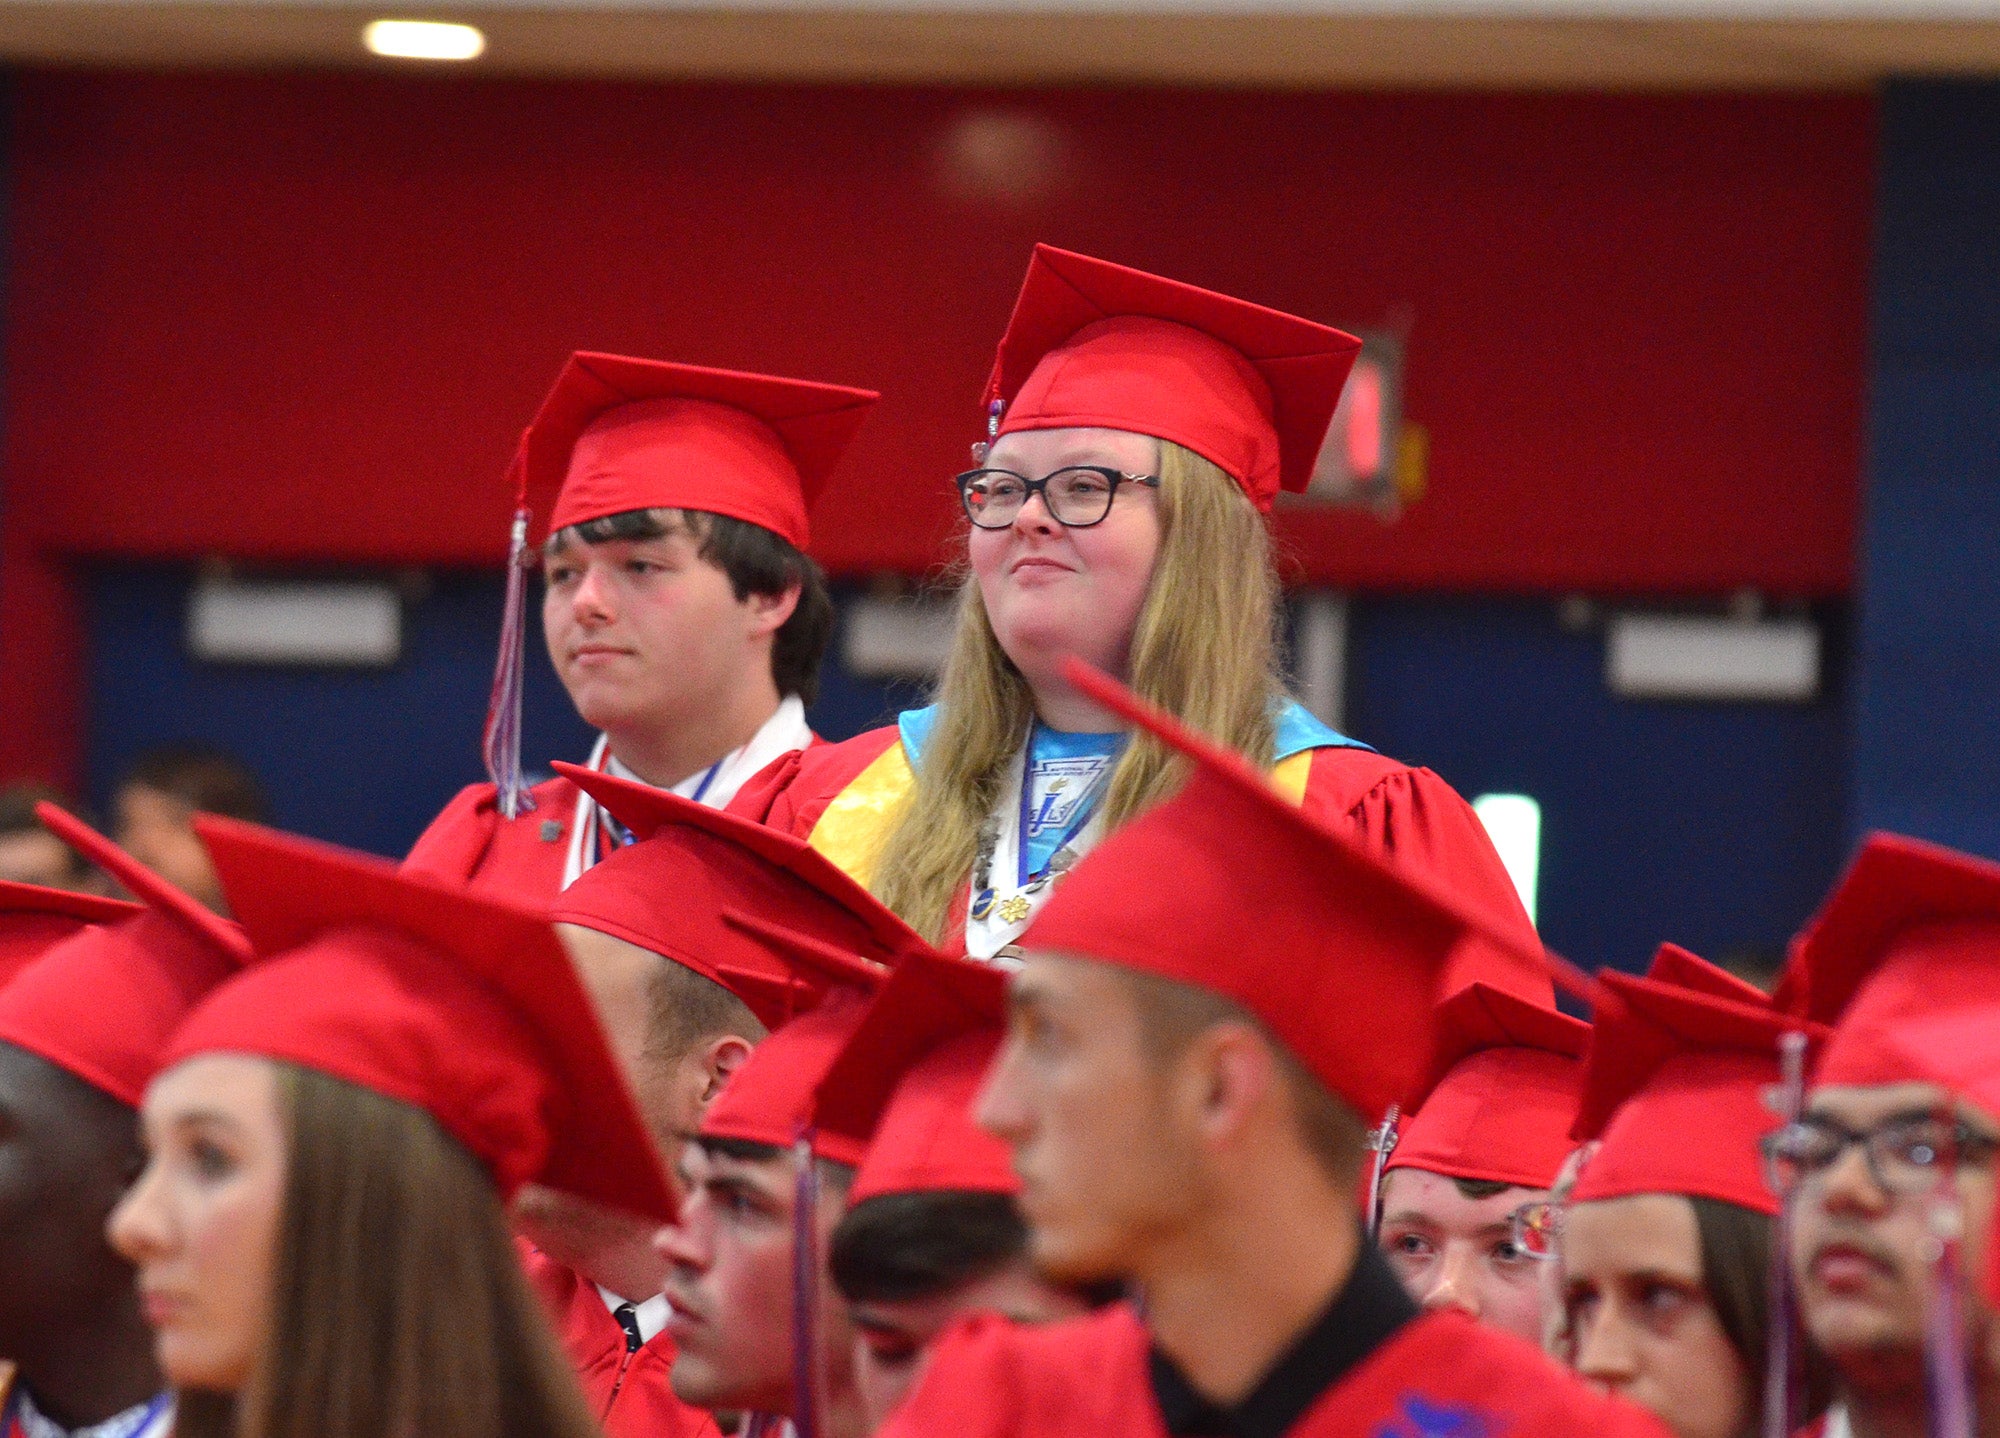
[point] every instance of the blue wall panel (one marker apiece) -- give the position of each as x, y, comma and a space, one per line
359, 757
1927, 692
1715, 825
1718, 826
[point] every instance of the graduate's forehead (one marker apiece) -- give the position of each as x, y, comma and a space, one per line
729, 1164
1055, 982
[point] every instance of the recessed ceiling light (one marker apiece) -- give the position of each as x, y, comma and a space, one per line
423, 40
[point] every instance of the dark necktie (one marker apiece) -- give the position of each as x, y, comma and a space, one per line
628, 1319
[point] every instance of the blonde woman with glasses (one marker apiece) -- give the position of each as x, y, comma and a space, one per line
1138, 430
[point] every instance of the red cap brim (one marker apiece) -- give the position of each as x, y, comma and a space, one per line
145, 885
288, 891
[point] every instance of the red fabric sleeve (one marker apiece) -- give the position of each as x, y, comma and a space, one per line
458, 838
1414, 818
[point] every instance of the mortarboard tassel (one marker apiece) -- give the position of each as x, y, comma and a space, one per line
501, 742
808, 1397
1382, 1140
1944, 1314
1783, 1370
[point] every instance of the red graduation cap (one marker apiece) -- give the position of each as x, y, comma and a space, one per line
712, 862
452, 1002
1912, 929
103, 1003
770, 1098
1675, 1086
905, 1083
1250, 389
1231, 888
34, 920
1677, 966
1501, 1108
617, 433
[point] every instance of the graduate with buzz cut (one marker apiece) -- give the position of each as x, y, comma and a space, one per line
90, 991
755, 1321
666, 505
1184, 1096
685, 996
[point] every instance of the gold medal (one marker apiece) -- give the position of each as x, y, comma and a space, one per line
1014, 909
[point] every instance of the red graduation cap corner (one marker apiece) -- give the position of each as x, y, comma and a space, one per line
1097, 344
1911, 929
1675, 965
618, 433
105, 1001
1350, 958
34, 919
904, 1084
1503, 1094
450, 1001
1675, 1085
770, 1098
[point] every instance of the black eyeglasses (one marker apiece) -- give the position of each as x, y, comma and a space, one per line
1905, 1154
1076, 497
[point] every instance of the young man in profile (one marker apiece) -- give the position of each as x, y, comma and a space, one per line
1229, 1077
680, 610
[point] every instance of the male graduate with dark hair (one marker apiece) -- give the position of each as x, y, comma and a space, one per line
1184, 1101
667, 506
1489, 1135
684, 996
82, 1024
1887, 1165
933, 1231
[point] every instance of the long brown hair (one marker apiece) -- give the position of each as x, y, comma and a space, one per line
399, 1308
1204, 648
1735, 1269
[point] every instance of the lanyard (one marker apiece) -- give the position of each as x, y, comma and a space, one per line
1086, 807
622, 837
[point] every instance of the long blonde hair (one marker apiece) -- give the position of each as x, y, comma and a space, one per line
1204, 648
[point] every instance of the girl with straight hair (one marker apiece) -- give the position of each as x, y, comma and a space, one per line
333, 1134
1138, 430
1664, 1243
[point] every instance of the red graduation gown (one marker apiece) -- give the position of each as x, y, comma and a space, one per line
520, 858
1440, 1376
1408, 814
628, 1391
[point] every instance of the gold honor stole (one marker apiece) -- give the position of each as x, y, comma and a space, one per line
851, 830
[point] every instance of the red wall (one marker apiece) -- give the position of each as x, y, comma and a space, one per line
305, 316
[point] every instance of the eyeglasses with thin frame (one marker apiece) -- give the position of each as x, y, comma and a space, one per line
1535, 1227
1076, 496
1905, 1154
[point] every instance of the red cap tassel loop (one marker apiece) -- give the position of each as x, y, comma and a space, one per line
501, 743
